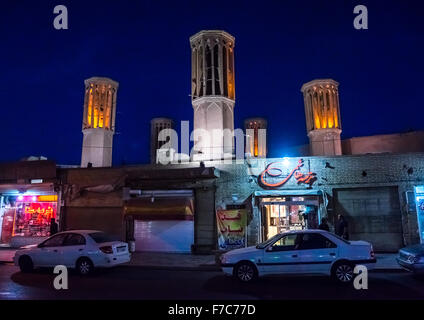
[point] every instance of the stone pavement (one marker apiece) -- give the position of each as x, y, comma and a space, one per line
157, 260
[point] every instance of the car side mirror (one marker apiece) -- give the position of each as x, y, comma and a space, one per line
269, 249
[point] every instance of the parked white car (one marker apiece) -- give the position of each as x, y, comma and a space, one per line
80, 249
300, 252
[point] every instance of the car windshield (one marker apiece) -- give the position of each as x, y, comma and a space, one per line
101, 237
340, 238
269, 241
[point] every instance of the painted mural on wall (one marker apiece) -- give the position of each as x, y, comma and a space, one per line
276, 174
231, 228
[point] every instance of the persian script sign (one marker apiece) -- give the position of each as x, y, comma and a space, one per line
273, 176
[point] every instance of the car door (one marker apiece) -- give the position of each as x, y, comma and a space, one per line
317, 253
50, 251
282, 257
73, 248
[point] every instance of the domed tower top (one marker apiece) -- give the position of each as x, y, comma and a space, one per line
100, 103
212, 60
321, 98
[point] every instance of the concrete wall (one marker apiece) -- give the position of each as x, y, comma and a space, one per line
384, 143
392, 143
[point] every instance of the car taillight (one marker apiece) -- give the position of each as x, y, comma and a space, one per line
107, 249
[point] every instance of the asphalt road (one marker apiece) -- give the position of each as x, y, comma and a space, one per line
141, 283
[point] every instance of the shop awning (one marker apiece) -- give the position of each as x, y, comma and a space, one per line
305, 192
160, 208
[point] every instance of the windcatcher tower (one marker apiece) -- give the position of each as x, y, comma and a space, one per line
157, 125
256, 136
98, 125
321, 99
213, 94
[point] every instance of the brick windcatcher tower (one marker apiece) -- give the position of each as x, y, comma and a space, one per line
213, 93
322, 111
98, 125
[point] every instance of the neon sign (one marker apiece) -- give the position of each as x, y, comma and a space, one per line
40, 211
275, 173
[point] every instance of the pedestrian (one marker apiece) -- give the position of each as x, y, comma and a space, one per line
342, 227
324, 225
53, 226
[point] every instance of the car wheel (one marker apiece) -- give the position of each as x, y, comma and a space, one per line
245, 272
343, 272
84, 266
25, 264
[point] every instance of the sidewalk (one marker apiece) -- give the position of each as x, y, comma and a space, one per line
386, 262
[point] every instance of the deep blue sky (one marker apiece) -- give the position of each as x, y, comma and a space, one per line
144, 45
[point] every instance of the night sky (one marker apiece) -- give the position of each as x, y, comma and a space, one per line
144, 45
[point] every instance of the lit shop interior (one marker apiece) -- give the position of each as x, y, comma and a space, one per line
285, 213
23, 215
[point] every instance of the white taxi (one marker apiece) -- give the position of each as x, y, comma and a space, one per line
300, 252
80, 249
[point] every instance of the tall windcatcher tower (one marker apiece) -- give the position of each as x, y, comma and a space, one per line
213, 94
256, 145
321, 98
98, 125
158, 125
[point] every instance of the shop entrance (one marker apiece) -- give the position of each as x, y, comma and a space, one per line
26, 216
284, 213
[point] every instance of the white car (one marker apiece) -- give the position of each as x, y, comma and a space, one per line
80, 249
300, 252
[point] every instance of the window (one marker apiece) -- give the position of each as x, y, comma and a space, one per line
266, 243
287, 243
101, 237
74, 239
312, 241
55, 241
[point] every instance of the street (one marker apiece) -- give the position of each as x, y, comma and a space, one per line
145, 283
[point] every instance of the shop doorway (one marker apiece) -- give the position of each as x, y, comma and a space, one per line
284, 213
26, 216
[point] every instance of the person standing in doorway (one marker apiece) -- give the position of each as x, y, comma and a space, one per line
324, 225
342, 227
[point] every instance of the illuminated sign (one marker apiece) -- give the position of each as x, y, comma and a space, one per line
273, 176
40, 211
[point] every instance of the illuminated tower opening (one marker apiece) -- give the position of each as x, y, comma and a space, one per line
213, 94
98, 125
321, 100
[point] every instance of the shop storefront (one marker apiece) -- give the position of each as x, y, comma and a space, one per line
29, 197
27, 216
282, 211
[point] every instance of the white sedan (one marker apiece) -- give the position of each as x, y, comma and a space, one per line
80, 249
300, 252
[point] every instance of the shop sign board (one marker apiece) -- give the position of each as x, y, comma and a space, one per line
273, 176
231, 228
